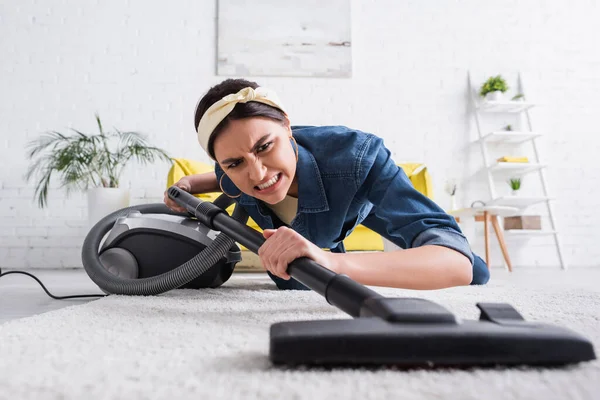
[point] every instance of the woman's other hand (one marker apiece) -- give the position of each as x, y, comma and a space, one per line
183, 184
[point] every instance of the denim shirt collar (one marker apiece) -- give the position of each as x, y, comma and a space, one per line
311, 193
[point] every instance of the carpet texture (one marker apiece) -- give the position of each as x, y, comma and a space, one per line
214, 344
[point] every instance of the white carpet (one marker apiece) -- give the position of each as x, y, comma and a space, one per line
214, 344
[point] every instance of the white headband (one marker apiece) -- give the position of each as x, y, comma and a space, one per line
218, 111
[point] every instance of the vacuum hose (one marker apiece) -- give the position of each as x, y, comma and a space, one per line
158, 284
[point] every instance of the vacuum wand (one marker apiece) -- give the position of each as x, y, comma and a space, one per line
339, 290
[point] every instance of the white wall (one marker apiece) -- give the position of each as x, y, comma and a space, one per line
143, 65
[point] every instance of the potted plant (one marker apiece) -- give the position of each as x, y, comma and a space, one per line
515, 185
92, 163
494, 88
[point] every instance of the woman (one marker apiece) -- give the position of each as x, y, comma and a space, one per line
308, 187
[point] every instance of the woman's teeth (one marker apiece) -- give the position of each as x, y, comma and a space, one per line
270, 183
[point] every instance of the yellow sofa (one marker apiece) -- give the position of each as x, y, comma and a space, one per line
361, 239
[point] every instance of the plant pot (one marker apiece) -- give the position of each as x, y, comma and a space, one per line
494, 96
515, 192
103, 201
453, 203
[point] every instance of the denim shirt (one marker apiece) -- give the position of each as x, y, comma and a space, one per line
347, 177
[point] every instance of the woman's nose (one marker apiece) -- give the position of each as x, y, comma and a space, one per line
257, 171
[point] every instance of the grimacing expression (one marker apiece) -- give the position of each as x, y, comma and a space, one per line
256, 154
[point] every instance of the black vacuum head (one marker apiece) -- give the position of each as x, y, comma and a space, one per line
432, 338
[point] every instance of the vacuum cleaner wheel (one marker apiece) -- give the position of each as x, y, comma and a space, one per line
120, 262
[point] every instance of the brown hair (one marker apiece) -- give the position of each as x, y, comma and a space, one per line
240, 111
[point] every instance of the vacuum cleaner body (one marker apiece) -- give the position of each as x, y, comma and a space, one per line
145, 245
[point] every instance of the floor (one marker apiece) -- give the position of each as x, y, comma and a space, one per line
21, 296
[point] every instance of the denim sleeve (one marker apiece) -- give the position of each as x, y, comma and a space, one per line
400, 213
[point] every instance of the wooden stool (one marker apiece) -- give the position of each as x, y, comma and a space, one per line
489, 214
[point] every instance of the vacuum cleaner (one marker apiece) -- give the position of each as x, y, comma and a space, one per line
149, 250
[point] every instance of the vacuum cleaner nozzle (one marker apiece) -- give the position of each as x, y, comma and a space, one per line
428, 338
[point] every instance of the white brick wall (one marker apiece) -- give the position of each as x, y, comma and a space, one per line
142, 65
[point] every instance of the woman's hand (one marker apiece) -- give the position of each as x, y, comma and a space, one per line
183, 184
284, 245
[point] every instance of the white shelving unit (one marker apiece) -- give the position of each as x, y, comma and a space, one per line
515, 169
511, 137
504, 106
528, 232
495, 169
517, 201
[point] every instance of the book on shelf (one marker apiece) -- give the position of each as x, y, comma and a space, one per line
513, 159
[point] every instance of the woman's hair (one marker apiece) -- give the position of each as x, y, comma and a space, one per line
240, 111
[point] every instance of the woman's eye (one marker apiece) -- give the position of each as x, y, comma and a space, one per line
233, 165
264, 147
258, 150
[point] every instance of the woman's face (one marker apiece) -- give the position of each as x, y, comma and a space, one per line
256, 154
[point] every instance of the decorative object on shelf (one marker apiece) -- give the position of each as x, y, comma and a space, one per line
515, 185
513, 159
450, 188
493, 89
508, 128
85, 161
526, 222
518, 97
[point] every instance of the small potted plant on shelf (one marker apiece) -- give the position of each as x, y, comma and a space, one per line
515, 185
92, 163
493, 89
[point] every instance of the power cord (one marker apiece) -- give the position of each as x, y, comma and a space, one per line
46, 290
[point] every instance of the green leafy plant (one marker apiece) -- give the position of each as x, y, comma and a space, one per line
494, 83
508, 127
515, 183
83, 160
518, 96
